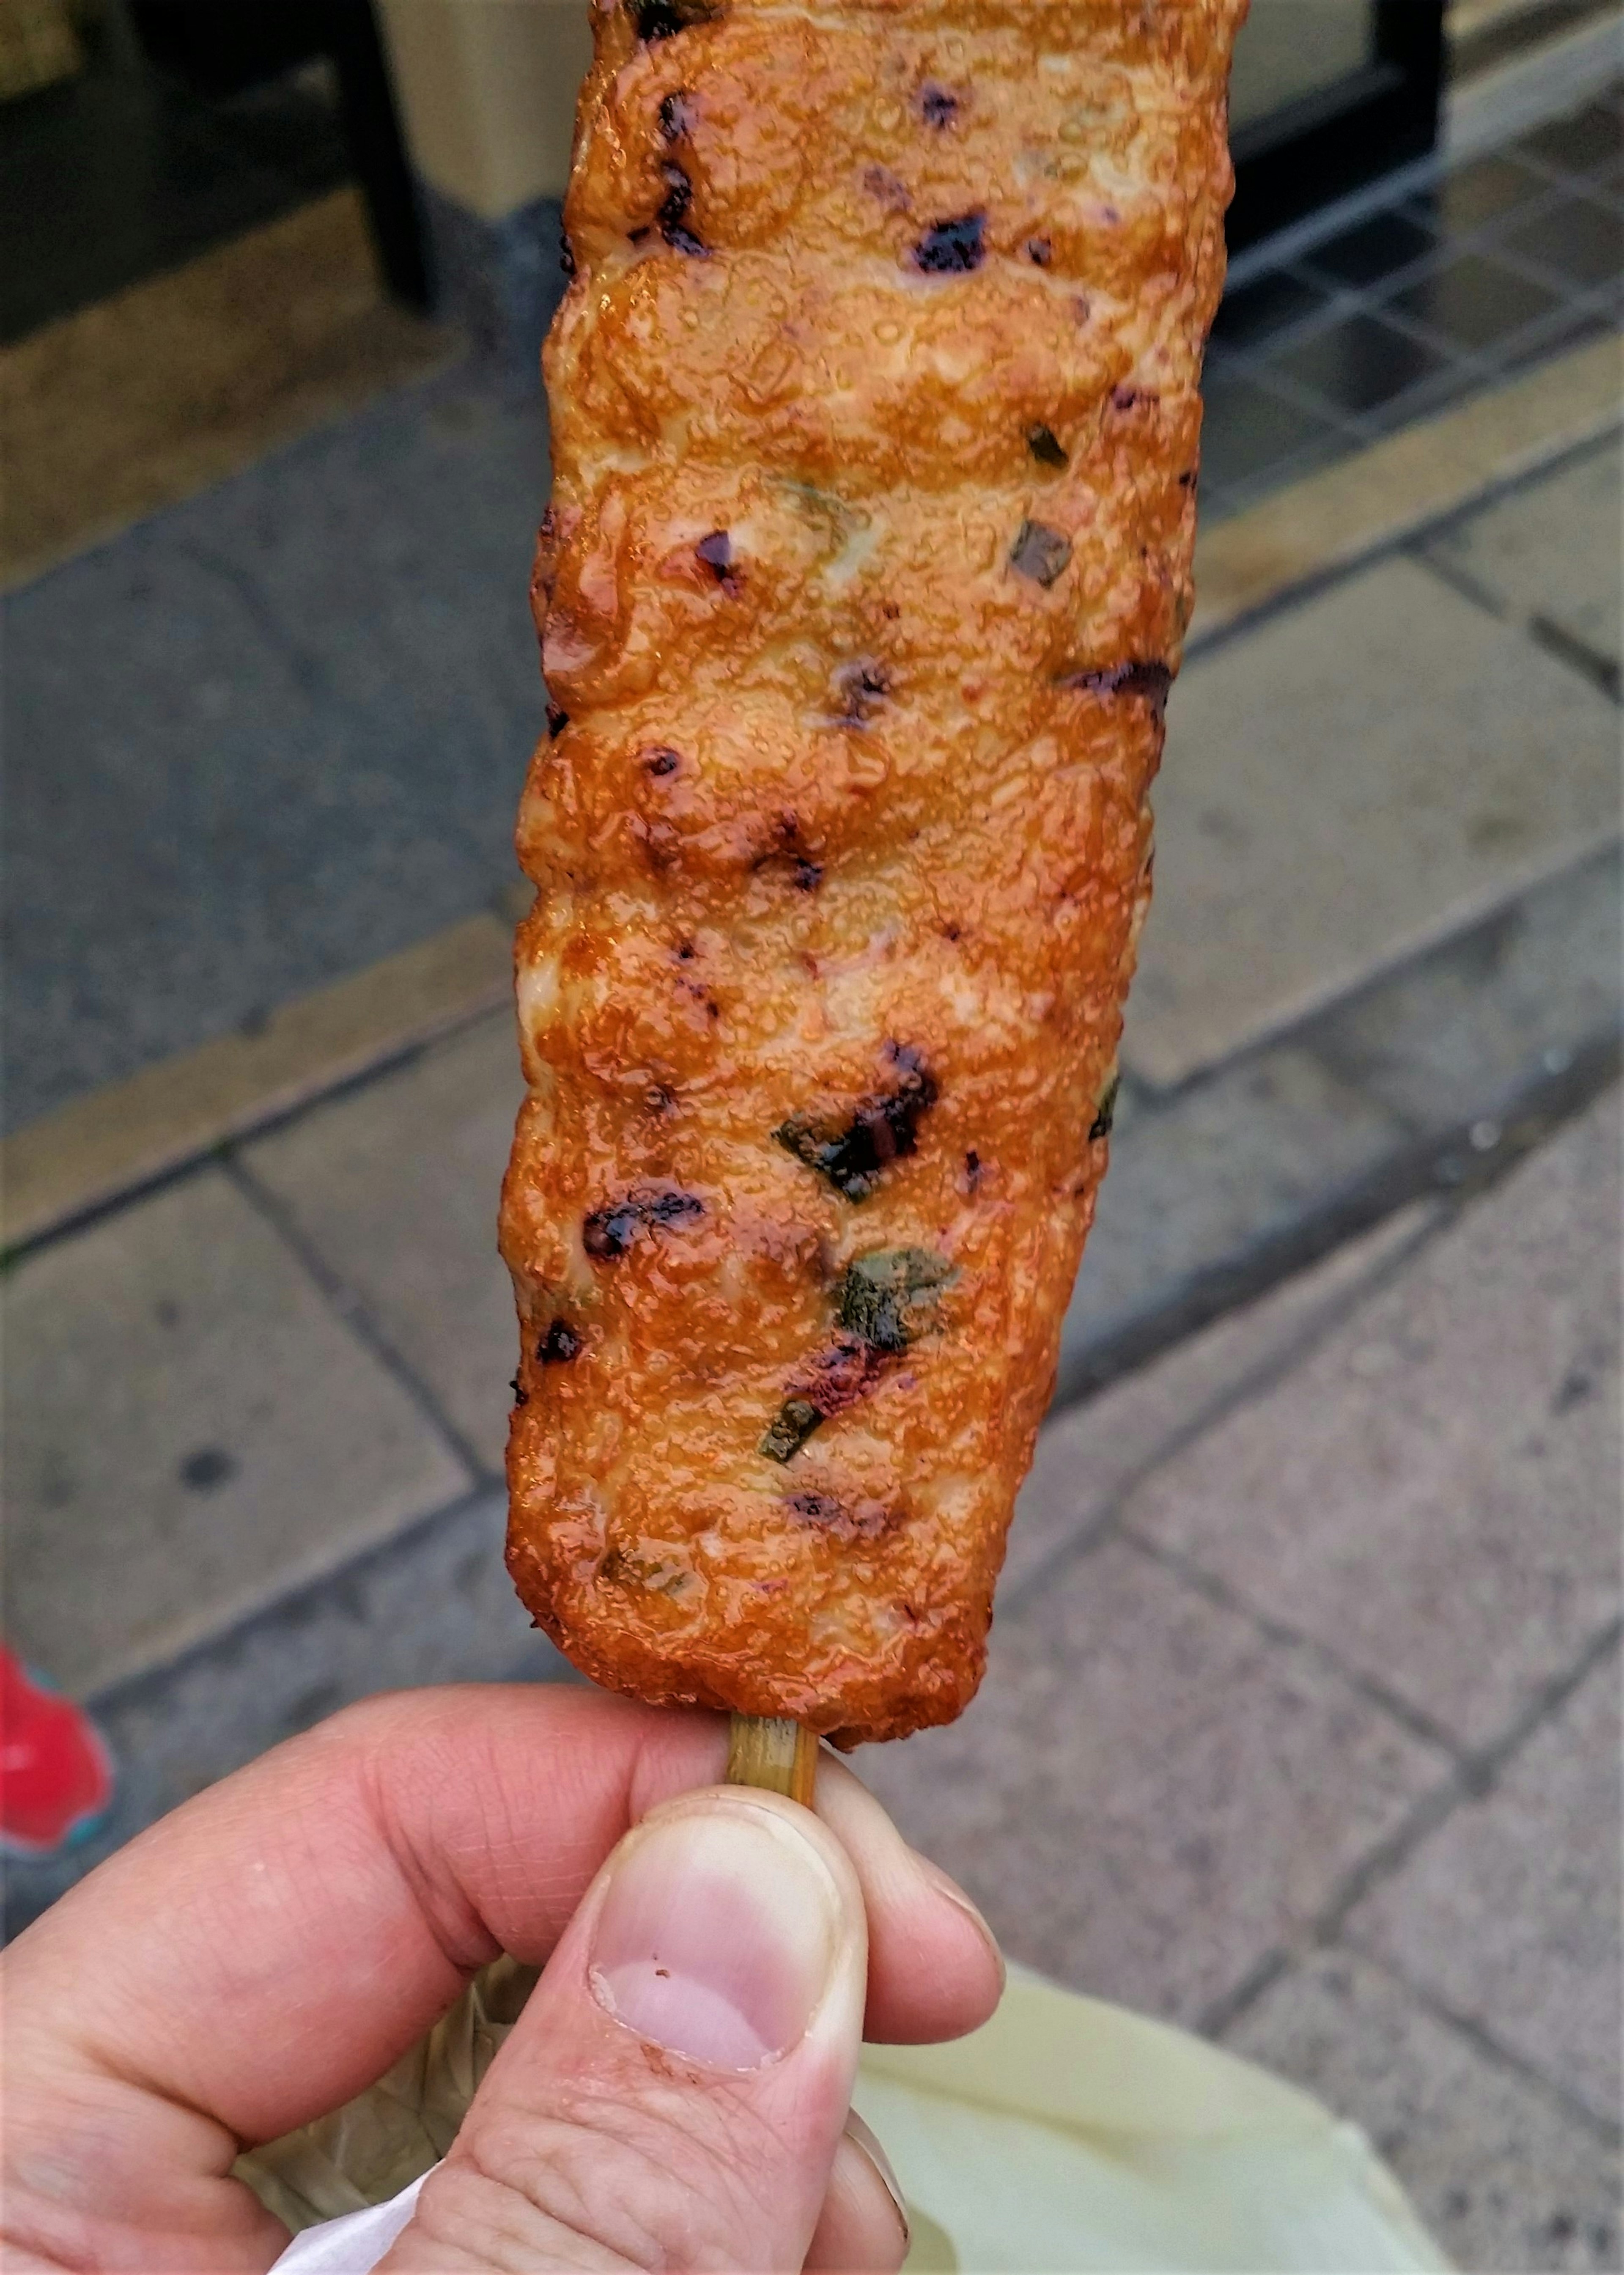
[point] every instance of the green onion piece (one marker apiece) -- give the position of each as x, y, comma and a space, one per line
796, 1420
880, 1290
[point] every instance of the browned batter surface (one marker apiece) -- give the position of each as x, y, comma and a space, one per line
875, 432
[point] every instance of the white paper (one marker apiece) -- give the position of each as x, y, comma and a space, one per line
352, 2245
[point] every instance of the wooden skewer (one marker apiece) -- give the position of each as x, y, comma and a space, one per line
779, 1756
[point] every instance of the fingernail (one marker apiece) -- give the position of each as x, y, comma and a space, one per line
862, 2138
955, 1896
717, 1937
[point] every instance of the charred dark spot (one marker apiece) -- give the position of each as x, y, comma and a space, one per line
608, 1233
891, 191
953, 932
662, 762
675, 118
792, 1426
1040, 252
938, 106
951, 247
685, 951
869, 1519
557, 720
663, 19
1151, 680
566, 256
559, 1345
716, 552
520, 1397
1129, 399
1039, 552
672, 215
1105, 1113
862, 688
805, 870
1189, 479
883, 1128
660, 1098
1045, 447
972, 1170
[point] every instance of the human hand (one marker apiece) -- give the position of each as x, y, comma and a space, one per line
676, 2093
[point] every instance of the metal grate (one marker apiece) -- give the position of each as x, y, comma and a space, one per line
1459, 279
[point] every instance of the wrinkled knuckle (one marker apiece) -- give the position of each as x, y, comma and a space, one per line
638, 2188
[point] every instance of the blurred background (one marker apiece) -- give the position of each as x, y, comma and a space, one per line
1302, 1724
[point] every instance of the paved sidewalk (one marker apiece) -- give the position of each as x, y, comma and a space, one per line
1302, 1721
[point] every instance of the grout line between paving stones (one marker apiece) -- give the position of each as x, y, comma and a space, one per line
1458, 1160
1480, 1771
352, 1310
1578, 655
147, 1684
1608, 2129
1258, 1380
1223, 1597
1394, 542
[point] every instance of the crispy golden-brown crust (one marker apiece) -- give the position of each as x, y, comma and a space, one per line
874, 429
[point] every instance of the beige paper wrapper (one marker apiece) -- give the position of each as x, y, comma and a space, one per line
1066, 2135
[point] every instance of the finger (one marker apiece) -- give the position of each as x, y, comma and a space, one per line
863, 2226
269, 1949
674, 2093
934, 1970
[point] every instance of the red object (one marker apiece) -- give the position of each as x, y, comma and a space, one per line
55, 1779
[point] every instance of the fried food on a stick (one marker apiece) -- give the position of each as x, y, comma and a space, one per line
875, 431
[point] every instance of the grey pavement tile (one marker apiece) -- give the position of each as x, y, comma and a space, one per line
1199, 1184
1148, 1796
1508, 2180
432, 1606
1363, 775
1433, 1495
189, 1431
1552, 549
1509, 1914
1463, 1030
395, 1188
1089, 1454
300, 708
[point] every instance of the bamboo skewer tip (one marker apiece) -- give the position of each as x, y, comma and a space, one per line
774, 1755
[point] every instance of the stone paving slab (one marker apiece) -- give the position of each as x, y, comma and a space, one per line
1552, 551
1361, 774
189, 1429
1460, 1033
1090, 1455
395, 1186
1237, 1164
1149, 1795
1509, 1915
1507, 2178
1434, 1495
386, 770
434, 1605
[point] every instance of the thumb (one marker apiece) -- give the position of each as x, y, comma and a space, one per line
675, 2092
